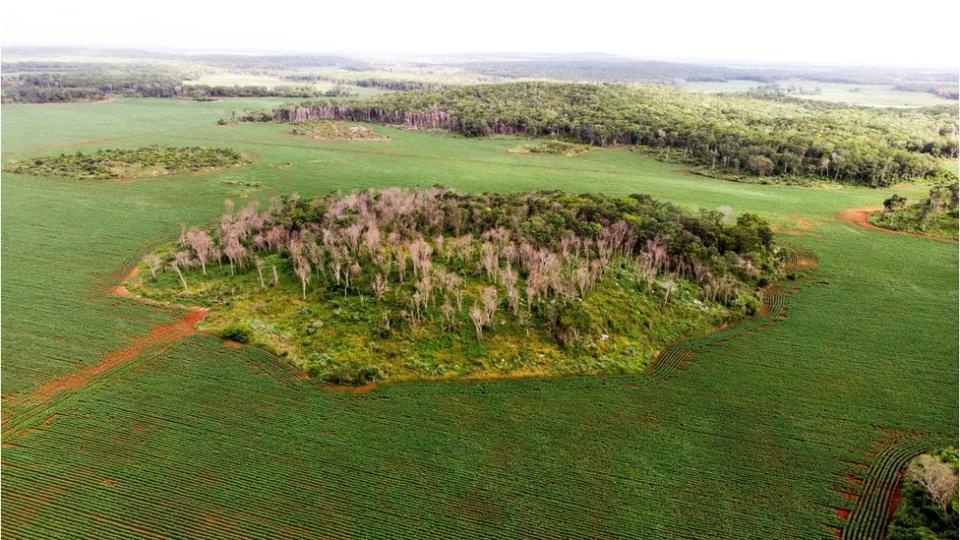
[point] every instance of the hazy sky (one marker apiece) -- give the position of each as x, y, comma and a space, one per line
917, 33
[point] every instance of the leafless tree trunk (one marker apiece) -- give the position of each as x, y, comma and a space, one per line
259, 264
182, 280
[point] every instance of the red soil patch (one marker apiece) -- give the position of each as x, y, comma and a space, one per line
858, 216
803, 222
161, 334
50, 419
801, 226
106, 482
339, 389
895, 497
848, 495
843, 513
122, 291
231, 344
851, 479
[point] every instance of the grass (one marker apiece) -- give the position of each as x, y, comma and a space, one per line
752, 440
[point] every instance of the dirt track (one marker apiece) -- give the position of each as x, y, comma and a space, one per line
45, 397
858, 216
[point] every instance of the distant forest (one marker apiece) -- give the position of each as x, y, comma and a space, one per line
727, 134
63, 87
609, 70
398, 85
29, 77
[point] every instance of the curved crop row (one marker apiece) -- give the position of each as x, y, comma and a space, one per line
800, 259
772, 310
876, 504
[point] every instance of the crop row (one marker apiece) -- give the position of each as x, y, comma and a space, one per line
870, 517
331, 468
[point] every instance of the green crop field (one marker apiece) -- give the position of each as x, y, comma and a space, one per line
120, 422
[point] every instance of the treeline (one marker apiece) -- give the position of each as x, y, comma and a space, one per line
398, 85
726, 134
63, 87
946, 92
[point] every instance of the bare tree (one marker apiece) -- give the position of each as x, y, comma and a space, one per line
420, 253
234, 251
476, 315
351, 235
583, 277
259, 262
352, 271
489, 260
372, 240
488, 296
182, 258
276, 277
154, 263
401, 255
201, 244
508, 276
337, 258
447, 311
669, 285
379, 286
938, 478
418, 302
301, 267
299, 262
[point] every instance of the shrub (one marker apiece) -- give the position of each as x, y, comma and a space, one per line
112, 164
239, 332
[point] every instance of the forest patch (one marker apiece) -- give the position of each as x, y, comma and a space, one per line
935, 215
431, 283
120, 164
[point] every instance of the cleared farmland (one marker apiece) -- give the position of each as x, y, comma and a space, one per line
760, 433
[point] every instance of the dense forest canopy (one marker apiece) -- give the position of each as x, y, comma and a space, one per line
736, 134
570, 276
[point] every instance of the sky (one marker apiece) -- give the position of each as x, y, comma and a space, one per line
878, 33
